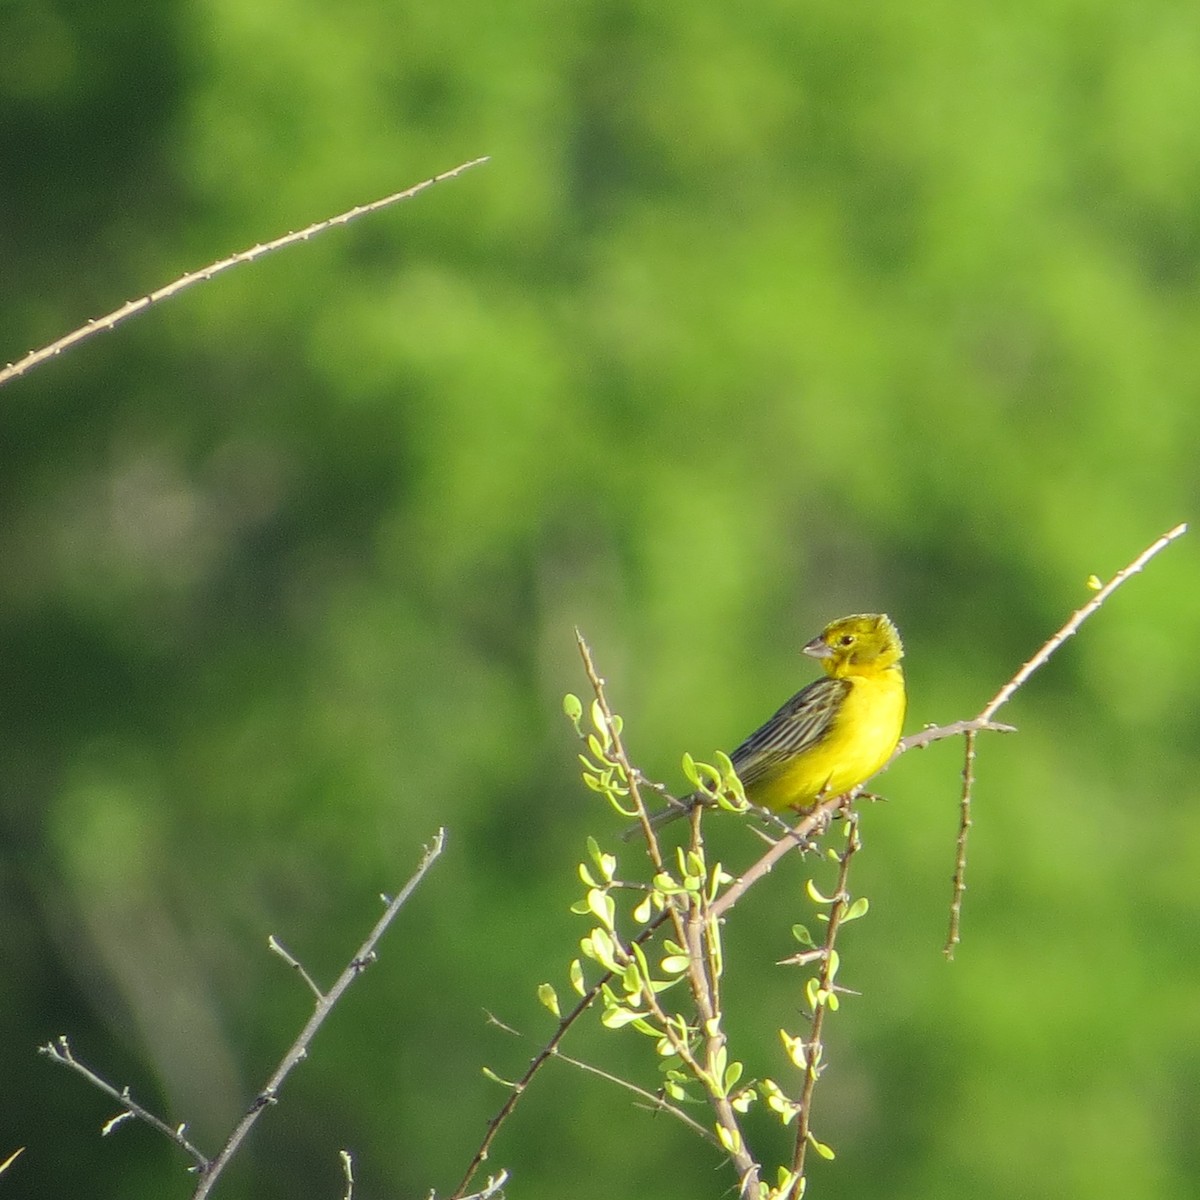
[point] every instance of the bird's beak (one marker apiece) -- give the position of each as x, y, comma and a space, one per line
818, 649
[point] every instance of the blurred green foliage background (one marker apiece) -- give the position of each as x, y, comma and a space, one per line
760, 314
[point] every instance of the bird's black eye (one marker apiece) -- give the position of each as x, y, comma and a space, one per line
847, 639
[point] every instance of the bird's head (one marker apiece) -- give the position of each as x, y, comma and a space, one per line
857, 645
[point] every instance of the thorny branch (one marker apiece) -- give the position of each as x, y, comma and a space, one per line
133, 307
209, 1170
1006, 693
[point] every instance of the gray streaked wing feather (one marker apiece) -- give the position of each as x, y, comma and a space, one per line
799, 724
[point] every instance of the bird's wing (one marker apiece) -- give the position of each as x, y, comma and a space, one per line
798, 726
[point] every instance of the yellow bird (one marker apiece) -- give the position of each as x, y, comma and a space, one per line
839, 730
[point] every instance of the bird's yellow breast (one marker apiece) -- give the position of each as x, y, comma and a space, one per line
860, 740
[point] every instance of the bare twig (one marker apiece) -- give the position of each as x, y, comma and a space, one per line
1002, 697
1077, 618
279, 948
348, 1172
299, 1048
939, 733
654, 1102
12, 1158
59, 1051
960, 848
133, 307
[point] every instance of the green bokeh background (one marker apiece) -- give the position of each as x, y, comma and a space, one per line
760, 314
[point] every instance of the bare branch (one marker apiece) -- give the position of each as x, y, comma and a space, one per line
1002, 697
59, 1051
1077, 618
133, 307
960, 848
939, 733
299, 1049
798, 837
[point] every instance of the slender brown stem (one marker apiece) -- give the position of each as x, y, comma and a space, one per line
796, 838
1002, 697
102, 324
960, 850
1077, 618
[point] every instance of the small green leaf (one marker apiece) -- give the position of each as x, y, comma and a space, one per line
641, 914
785, 1180
796, 1049
631, 980
573, 707
606, 863
618, 1017
718, 1060
490, 1074
731, 1139
675, 964
549, 997
599, 723
815, 896
575, 973
812, 989
586, 875
856, 910
823, 1150
639, 956
601, 903
599, 945
801, 934
733, 1073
